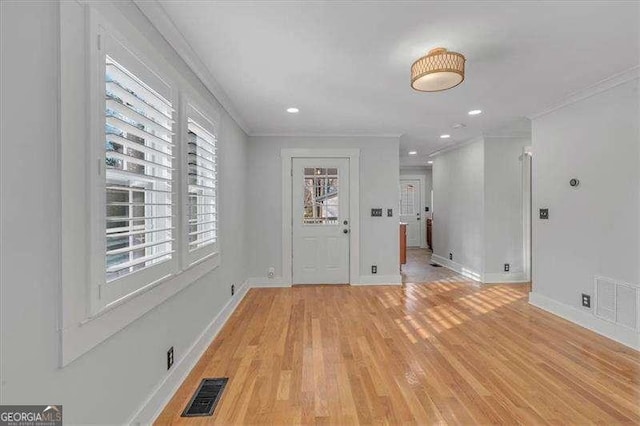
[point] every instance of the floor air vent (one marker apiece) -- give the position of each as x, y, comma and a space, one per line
206, 398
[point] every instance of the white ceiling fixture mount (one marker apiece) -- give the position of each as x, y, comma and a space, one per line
438, 70
445, 136
413, 152
293, 110
429, 162
475, 112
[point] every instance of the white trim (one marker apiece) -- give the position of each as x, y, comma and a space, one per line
260, 282
504, 278
324, 135
457, 146
587, 320
79, 338
610, 82
354, 204
459, 268
527, 213
422, 205
162, 393
165, 26
378, 280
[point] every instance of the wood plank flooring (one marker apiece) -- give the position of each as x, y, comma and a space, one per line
444, 352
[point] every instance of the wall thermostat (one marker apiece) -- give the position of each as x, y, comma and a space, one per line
574, 182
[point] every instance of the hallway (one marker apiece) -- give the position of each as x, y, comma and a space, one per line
419, 268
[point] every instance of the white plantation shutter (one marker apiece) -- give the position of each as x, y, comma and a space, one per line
202, 213
139, 221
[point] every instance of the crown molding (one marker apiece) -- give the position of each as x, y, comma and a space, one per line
608, 83
325, 135
456, 146
159, 18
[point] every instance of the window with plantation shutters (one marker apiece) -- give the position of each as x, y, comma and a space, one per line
139, 219
202, 206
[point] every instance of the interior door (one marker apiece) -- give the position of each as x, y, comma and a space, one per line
320, 214
410, 210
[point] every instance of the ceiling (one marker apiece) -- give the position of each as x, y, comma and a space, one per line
345, 65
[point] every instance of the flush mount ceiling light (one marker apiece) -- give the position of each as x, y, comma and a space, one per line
445, 136
413, 152
475, 112
429, 162
438, 70
293, 110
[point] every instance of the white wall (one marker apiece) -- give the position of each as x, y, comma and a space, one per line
594, 229
107, 384
458, 200
379, 166
503, 216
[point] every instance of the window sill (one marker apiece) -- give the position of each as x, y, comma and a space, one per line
78, 339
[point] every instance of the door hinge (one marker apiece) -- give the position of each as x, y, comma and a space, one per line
99, 42
99, 166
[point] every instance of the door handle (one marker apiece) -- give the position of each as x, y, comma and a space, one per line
345, 231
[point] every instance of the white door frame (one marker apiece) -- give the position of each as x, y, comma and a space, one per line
527, 157
421, 206
354, 206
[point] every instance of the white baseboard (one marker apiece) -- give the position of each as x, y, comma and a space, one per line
504, 277
586, 319
149, 411
261, 282
379, 280
461, 269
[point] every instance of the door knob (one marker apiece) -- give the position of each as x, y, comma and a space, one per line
345, 231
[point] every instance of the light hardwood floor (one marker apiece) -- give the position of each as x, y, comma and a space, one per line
446, 352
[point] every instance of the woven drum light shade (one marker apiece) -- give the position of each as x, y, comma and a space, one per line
439, 70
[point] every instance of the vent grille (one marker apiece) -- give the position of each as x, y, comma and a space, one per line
206, 397
617, 302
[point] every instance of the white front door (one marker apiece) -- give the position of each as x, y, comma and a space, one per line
321, 223
410, 210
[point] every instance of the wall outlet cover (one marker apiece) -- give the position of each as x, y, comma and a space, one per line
389, 212
450, 256
544, 214
376, 212
506, 267
374, 269
233, 289
586, 300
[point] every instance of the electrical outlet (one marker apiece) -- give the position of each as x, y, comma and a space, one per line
376, 212
374, 269
271, 272
233, 289
426, 209
389, 212
544, 214
170, 358
450, 256
586, 300
506, 267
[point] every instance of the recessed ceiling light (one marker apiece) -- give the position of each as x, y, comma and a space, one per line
293, 110
475, 112
413, 152
429, 162
445, 136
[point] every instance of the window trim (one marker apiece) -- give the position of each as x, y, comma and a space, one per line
210, 123
81, 325
103, 294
